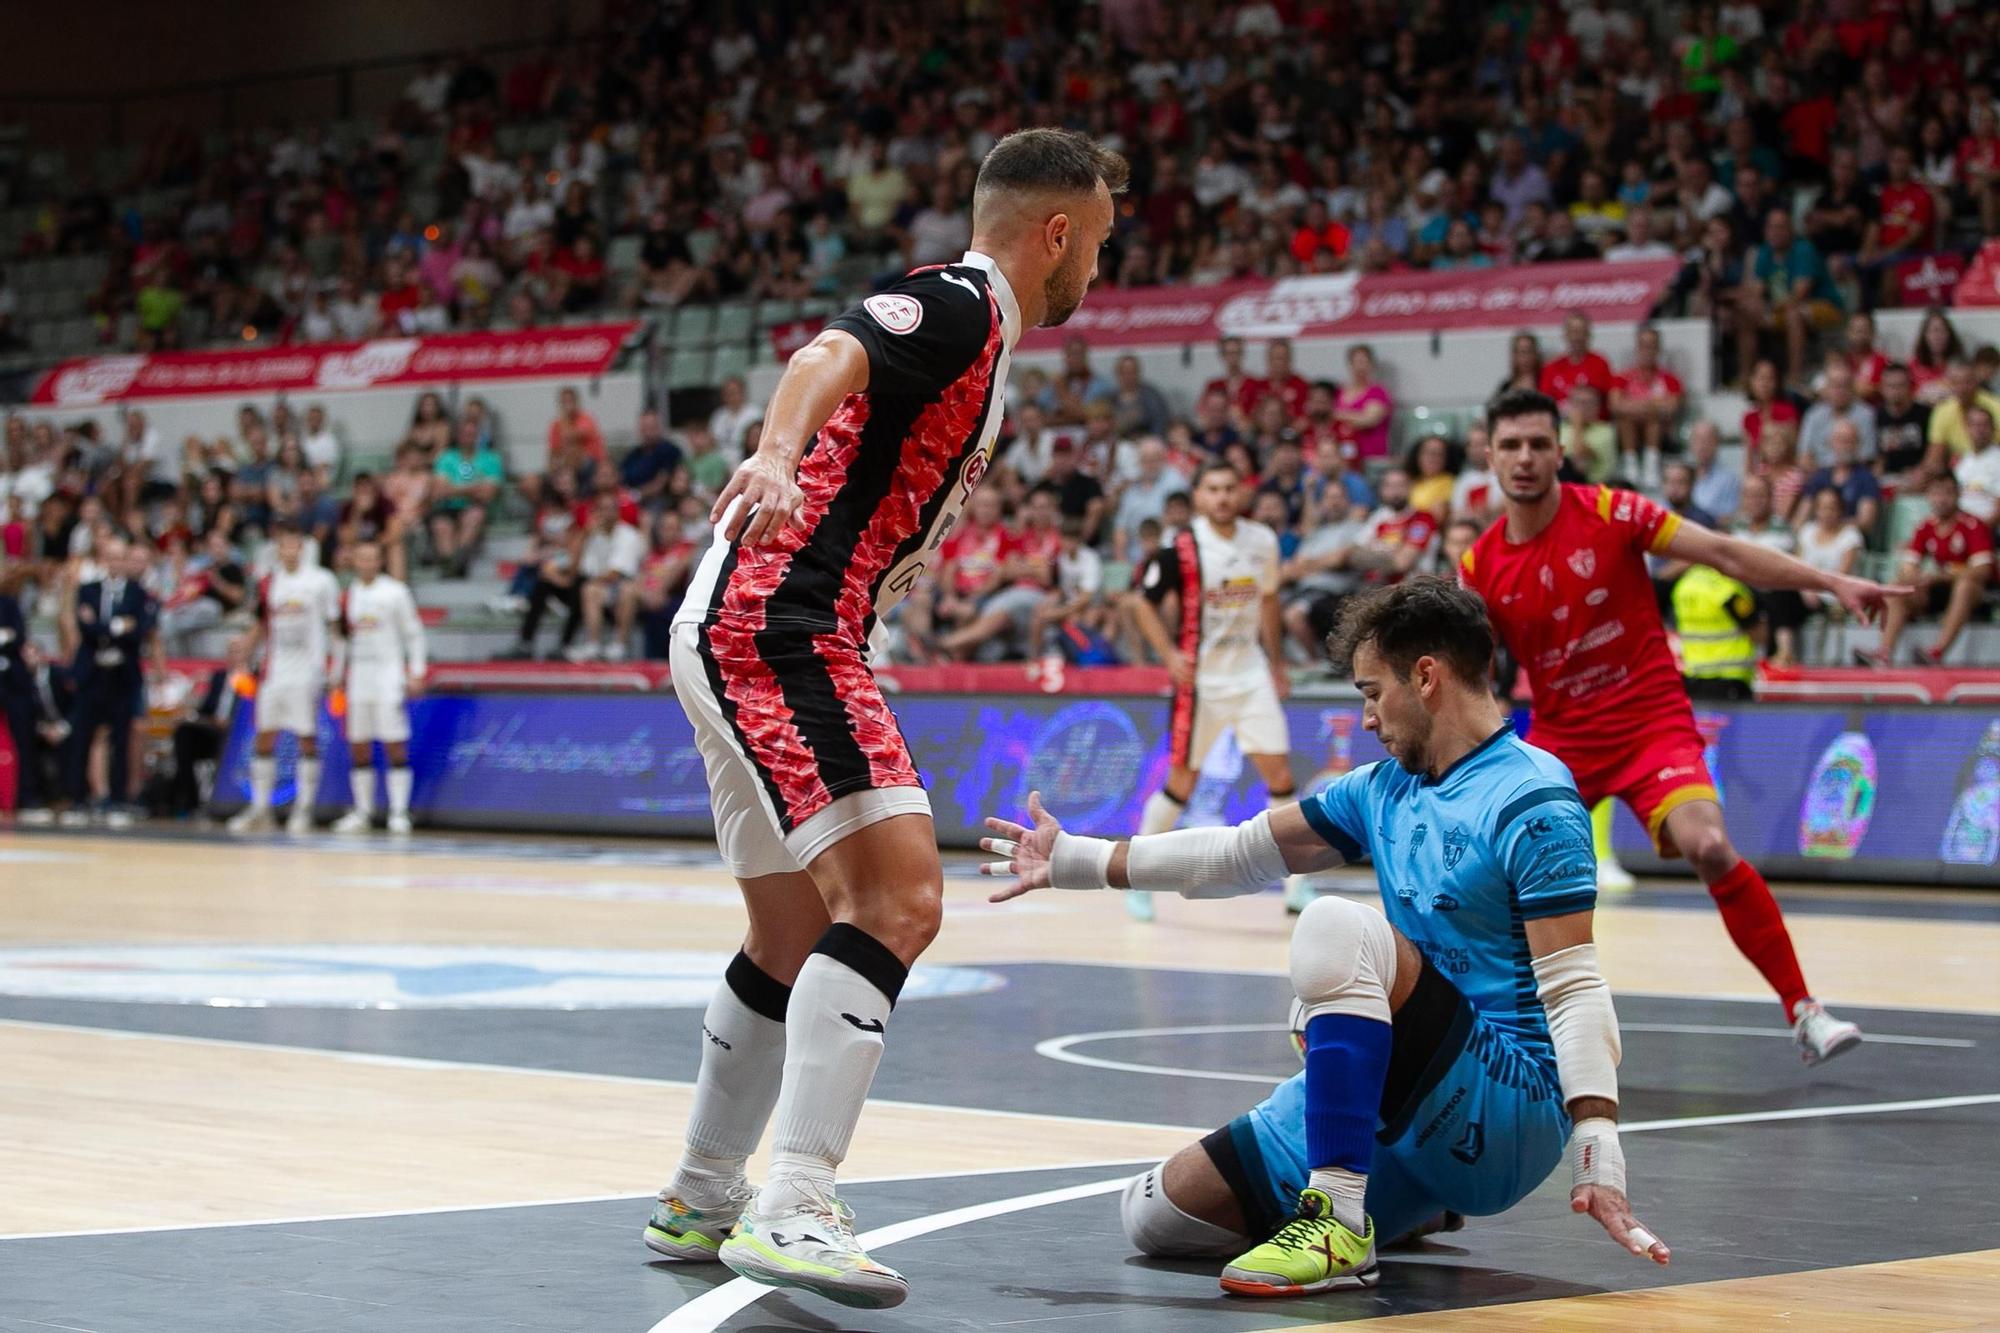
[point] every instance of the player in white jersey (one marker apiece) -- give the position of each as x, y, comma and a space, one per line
386, 661
1226, 653
297, 607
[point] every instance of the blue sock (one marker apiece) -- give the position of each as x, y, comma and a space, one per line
1347, 1059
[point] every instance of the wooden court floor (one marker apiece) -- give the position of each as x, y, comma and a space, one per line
203, 1039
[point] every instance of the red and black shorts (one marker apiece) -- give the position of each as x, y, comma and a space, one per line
799, 745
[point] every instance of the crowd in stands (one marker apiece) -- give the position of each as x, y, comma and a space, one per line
1790, 155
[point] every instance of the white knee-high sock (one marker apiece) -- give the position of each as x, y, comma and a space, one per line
400, 782
1161, 813
263, 779
833, 1042
742, 1061
361, 782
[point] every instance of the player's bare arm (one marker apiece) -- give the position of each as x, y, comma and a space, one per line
1154, 631
1193, 862
1762, 567
1272, 631
817, 379
1584, 1029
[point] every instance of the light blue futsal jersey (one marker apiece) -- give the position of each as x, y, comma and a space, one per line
1472, 1117
1466, 860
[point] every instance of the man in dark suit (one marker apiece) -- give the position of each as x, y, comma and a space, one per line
115, 622
203, 733
18, 702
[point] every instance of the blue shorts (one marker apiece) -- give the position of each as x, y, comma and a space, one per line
1471, 1120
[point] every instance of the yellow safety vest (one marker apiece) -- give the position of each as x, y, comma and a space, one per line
1711, 611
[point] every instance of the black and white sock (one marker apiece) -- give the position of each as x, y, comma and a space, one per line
742, 1060
840, 1004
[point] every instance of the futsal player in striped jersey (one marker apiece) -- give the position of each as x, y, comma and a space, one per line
1226, 654
877, 433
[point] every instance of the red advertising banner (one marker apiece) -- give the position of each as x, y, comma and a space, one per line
1930, 280
582, 350
1981, 283
1351, 305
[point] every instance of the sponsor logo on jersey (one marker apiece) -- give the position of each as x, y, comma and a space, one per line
975, 469
1471, 1145
1597, 597
897, 314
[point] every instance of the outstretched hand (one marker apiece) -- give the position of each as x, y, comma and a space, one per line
1864, 598
1027, 850
1613, 1212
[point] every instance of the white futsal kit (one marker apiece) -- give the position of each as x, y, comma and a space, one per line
385, 647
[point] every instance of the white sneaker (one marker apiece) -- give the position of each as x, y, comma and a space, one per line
1299, 894
582, 652
36, 816
399, 826
691, 1219
614, 652
118, 817
74, 818
300, 821
251, 819
1820, 1035
812, 1248
1614, 878
352, 822
1139, 906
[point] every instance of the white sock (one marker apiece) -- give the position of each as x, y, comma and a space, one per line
742, 1063
308, 789
400, 782
833, 1042
1161, 813
361, 781
1349, 1192
263, 778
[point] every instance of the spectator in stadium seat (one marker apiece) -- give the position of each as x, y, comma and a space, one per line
707, 470
368, 515
1138, 408
1328, 472
1640, 244
467, 480
1906, 223
1646, 401
1144, 496
1285, 474
1398, 534
1978, 472
1524, 364
1317, 579
1074, 611
1850, 478
650, 600
730, 422
1902, 427
1078, 494
1788, 290
1837, 403
322, 444
610, 558
1268, 508
1282, 382
1075, 387
1717, 489
1829, 541
1240, 390
1949, 563
1577, 365
650, 470
1363, 407
1936, 348
1777, 461
1432, 464
574, 437
1864, 357
1006, 615
249, 481
1590, 444
972, 566
1950, 432
211, 586
1214, 431
1769, 404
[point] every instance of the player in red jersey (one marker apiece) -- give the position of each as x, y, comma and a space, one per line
1563, 572
877, 433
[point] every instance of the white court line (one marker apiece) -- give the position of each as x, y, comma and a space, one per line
708, 1310
1063, 1048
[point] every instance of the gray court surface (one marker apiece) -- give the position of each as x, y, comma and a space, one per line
1746, 1163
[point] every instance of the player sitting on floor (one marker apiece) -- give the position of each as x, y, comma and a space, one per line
1451, 1049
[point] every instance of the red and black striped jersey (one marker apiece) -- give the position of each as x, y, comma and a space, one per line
886, 477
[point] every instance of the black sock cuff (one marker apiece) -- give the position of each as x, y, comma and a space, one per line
761, 992
1180, 801
857, 949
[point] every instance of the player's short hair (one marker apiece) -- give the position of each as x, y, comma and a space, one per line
1520, 403
1044, 159
1426, 616
1215, 465
286, 528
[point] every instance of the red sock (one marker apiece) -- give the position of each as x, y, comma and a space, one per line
1758, 927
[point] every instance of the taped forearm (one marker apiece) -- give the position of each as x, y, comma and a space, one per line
1195, 862
1583, 1026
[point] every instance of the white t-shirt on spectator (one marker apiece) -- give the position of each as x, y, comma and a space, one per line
428, 91
1079, 573
525, 217
1476, 489
728, 426
576, 160
317, 325
618, 551
322, 449
1979, 483
1827, 553
354, 320
1625, 252
33, 483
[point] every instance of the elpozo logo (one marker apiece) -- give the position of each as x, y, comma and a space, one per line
399, 976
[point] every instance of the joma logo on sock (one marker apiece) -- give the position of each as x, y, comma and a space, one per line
717, 1040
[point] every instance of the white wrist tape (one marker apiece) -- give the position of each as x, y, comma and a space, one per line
1583, 1026
1208, 862
1595, 1157
1080, 863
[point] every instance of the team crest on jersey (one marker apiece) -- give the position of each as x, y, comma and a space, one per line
1418, 835
1584, 562
898, 314
1456, 841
